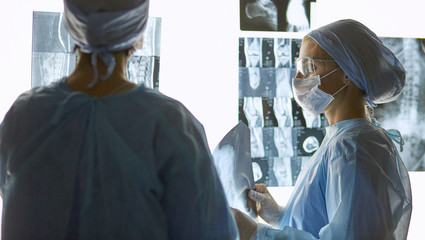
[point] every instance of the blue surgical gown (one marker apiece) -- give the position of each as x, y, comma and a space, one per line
354, 187
133, 165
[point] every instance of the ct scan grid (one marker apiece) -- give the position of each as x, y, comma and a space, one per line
283, 136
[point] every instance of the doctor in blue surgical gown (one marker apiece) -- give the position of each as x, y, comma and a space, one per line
355, 186
93, 156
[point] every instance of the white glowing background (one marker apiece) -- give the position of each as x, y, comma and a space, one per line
199, 57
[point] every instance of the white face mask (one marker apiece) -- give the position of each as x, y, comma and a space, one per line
309, 96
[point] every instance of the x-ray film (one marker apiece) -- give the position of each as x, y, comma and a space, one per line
284, 172
268, 113
282, 109
257, 142
232, 159
268, 55
270, 119
251, 111
281, 132
282, 51
307, 141
257, 82
407, 113
284, 82
52, 49
280, 172
275, 15
253, 53
260, 169
53, 55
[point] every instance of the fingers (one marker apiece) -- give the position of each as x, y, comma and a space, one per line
257, 196
260, 187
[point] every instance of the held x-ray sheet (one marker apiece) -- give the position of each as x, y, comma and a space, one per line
232, 159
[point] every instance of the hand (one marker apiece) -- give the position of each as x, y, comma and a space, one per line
267, 207
246, 226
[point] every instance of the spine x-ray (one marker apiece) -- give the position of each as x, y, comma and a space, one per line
407, 113
53, 55
234, 167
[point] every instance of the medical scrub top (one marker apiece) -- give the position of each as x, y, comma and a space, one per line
133, 165
354, 187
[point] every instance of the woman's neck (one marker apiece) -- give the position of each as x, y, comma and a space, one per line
348, 106
83, 76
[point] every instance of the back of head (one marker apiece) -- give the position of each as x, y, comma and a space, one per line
103, 26
369, 64
104, 5
110, 25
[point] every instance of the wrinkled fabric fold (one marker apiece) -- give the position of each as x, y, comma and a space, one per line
394, 134
133, 165
354, 187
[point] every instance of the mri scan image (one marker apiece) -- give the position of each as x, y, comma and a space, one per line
53, 55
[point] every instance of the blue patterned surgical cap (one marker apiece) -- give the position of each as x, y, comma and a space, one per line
369, 64
103, 26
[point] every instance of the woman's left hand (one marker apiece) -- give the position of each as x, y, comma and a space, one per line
246, 226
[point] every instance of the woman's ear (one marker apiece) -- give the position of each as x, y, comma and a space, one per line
347, 80
139, 43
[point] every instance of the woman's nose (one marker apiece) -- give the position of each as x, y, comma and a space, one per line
299, 75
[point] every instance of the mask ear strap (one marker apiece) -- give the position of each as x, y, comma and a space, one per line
340, 89
329, 73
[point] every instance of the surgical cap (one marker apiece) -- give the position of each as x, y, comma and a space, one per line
103, 26
369, 64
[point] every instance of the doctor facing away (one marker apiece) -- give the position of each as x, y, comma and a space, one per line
94, 156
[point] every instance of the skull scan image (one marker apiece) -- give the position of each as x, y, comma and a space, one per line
311, 144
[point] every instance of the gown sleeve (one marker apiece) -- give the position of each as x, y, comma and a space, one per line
365, 197
193, 200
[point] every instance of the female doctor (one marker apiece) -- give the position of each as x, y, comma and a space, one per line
355, 186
